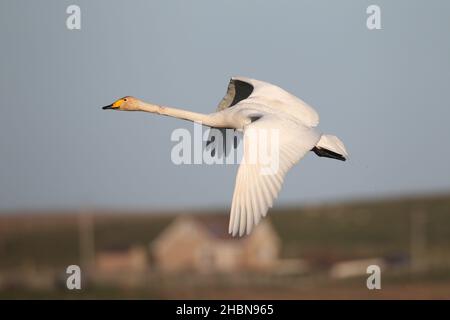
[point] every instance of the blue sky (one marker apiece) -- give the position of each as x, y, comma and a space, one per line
383, 92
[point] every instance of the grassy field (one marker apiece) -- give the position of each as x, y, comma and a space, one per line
401, 286
319, 234
364, 229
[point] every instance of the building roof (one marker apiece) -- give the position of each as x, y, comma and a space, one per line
216, 225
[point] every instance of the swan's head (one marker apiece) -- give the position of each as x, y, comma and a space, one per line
127, 103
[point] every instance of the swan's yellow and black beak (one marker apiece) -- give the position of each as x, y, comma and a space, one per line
115, 105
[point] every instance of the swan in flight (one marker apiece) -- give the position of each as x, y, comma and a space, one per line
251, 105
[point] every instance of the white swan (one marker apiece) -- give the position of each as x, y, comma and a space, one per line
257, 105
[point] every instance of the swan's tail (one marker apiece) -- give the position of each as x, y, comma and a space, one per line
331, 147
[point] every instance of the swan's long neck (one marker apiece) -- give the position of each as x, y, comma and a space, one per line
205, 119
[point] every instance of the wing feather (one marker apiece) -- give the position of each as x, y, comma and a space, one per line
255, 191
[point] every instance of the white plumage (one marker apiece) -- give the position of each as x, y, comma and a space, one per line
263, 112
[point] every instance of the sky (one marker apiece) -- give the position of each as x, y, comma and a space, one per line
384, 93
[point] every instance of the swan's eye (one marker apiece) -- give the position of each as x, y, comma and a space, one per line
125, 99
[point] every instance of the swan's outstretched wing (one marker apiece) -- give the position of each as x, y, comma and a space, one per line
260, 177
247, 90
256, 91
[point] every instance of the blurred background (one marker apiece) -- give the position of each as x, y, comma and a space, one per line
98, 189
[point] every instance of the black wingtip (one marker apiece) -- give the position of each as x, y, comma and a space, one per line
321, 152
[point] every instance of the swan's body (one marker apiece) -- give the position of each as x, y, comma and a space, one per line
251, 105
